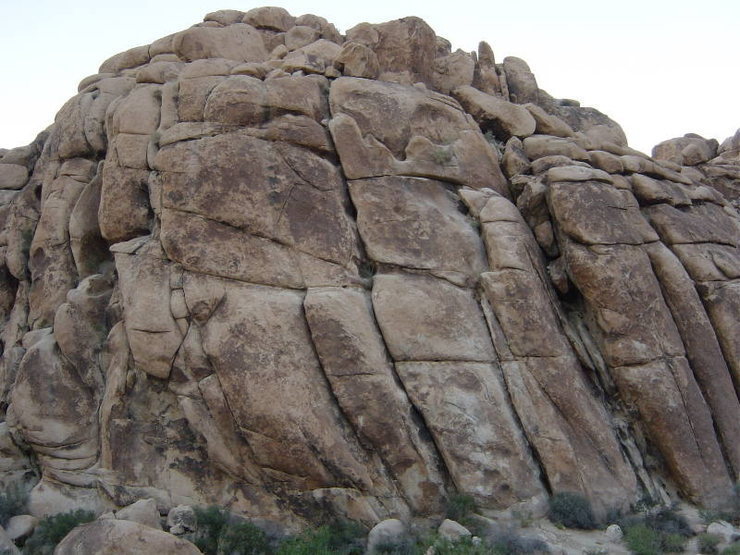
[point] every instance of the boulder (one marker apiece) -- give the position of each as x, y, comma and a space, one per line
430, 136
641, 344
688, 150
614, 533
357, 60
316, 57
539, 146
272, 18
241, 326
514, 161
520, 81
452, 531
725, 530
385, 534
145, 292
133, 57
123, 536
239, 42
253, 264
424, 318
453, 71
576, 173
542, 165
55, 411
362, 378
225, 17
485, 76
143, 511
594, 212
12, 176
124, 187
426, 224
405, 48
181, 519
605, 161
468, 414
6, 543
548, 124
505, 119
20, 527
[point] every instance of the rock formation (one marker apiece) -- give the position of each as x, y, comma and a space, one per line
260, 264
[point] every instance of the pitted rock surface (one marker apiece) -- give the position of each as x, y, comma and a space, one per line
264, 265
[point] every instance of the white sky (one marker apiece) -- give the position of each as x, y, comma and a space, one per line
659, 68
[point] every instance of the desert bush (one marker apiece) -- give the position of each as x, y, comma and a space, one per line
242, 538
464, 546
405, 546
336, 538
673, 543
731, 513
572, 510
52, 529
209, 521
708, 543
508, 542
642, 540
13, 500
661, 531
668, 521
218, 533
442, 546
442, 156
460, 506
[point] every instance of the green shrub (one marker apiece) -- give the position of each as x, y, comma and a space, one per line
209, 522
572, 510
661, 531
668, 521
464, 546
405, 546
442, 156
13, 500
242, 538
508, 542
441, 546
642, 540
347, 536
673, 543
366, 269
337, 538
734, 549
52, 529
708, 543
460, 506
218, 533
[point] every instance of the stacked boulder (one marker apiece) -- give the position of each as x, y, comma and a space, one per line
706, 161
263, 265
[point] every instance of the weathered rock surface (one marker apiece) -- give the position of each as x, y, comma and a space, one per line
20, 527
387, 532
262, 265
122, 536
144, 511
391, 129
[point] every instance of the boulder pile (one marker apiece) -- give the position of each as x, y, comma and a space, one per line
264, 265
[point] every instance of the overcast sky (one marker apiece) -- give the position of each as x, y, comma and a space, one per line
661, 69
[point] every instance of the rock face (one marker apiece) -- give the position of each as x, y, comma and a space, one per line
262, 265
